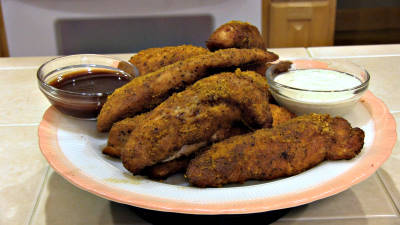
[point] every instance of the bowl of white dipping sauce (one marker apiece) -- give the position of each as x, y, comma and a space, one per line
318, 86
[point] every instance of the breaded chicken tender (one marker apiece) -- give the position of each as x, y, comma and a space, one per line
289, 149
280, 66
152, 59
280, 115
119, 134
195, 115
121, 130
235, 34
163, 170
145, 92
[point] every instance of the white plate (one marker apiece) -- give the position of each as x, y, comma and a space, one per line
73, 148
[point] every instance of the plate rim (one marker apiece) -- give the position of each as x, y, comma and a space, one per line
384, 141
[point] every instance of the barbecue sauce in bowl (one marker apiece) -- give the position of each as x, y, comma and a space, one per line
91, 81
78, 85
82, 93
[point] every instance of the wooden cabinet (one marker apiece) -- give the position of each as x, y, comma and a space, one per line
375, 24
3, 40
294, 23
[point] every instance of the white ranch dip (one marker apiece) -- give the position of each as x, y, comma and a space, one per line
317, 80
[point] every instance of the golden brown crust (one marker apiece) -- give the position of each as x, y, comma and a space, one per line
164, 170
195, 115
152, 59
146, 92
286, 150
280, 67
119, 134
280, 115
121, 130
235, 34
348, 142
112, 151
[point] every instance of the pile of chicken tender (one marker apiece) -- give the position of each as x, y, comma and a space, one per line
208, 113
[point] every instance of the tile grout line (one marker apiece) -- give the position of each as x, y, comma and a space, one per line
395, 204
19, 68
311, 55
337, 218
19, 125
355, 56
294, 58
39, 194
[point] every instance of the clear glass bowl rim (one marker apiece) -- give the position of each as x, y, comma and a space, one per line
48, 87
274, 84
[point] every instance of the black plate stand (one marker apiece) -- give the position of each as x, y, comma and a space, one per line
158, 218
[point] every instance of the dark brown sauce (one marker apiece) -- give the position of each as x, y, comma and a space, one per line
91, 81
86, 81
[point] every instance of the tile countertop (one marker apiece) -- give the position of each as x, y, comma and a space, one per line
32, 193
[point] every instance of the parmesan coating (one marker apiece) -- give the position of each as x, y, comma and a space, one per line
289, 149
145, 92
121, 130
152, 59
235, 34
195, 115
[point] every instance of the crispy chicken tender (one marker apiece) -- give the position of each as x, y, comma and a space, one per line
152, 59
147, 91
195, 114
286, 150
119, 134
161, 138
280, 115
163, 170
280, 66
121, 130
235, 34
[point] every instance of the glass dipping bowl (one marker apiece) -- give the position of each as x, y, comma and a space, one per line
80, 104
335, 101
